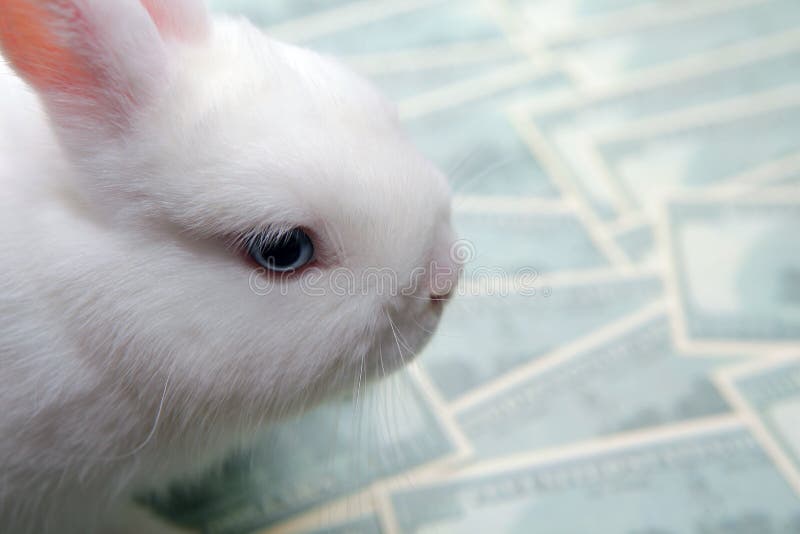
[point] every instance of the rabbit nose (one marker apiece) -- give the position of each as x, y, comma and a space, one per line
444, 276
445, 267
442, 297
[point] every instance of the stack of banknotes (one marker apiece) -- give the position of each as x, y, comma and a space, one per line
624, 353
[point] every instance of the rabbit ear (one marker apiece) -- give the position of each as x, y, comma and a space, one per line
93, 62
183, 20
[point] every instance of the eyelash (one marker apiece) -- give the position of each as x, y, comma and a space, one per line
244, 241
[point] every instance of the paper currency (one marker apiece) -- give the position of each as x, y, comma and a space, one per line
737, 269
327, 453
566, 128
551, 18
274, 11
680, 32
638, 243
362, 525
631, 380
768, 393
483, 337
402, 83
709, 480
541, 242
475, 142
432, 23
701, 148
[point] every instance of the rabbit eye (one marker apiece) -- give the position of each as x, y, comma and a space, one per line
285, 253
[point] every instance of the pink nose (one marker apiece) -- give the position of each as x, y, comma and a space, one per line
442, 297
445, 267
444, 277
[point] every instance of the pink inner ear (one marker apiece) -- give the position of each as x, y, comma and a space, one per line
31, 44
183, 20
77, 54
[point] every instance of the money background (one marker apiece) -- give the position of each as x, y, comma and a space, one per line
639, 162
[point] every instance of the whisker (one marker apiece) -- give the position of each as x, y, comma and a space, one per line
398, 335
143, 444
421, 327
380, 357
397, 341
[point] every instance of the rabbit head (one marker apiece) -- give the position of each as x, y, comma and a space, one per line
246, 217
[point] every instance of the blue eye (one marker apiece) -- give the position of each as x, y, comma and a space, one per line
285, 253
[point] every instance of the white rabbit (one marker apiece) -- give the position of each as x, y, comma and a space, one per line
151, 156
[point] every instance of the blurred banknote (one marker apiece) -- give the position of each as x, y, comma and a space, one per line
548, 18
423, 24
483, 337
634, 380
274, 11
565, 126
769, 395
705, 27
353, 27
710, 480
407, 80
638, 243
331, 451
737, 269
362, 525
541, 242
474, 142
659, 158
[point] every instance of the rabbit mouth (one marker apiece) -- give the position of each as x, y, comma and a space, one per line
402, 335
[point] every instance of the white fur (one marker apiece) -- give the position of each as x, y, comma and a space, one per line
132, 349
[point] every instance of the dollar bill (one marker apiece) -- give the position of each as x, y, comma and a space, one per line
330, 452
551, 18
638, 239
431, 23
565, 126
275, 11
768, 393
701, 148
638, 243
475, 143
705, 27
410, 81
540, 242
771, 174
362, 525
711, 479
485, 336
736, 269
629, 380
